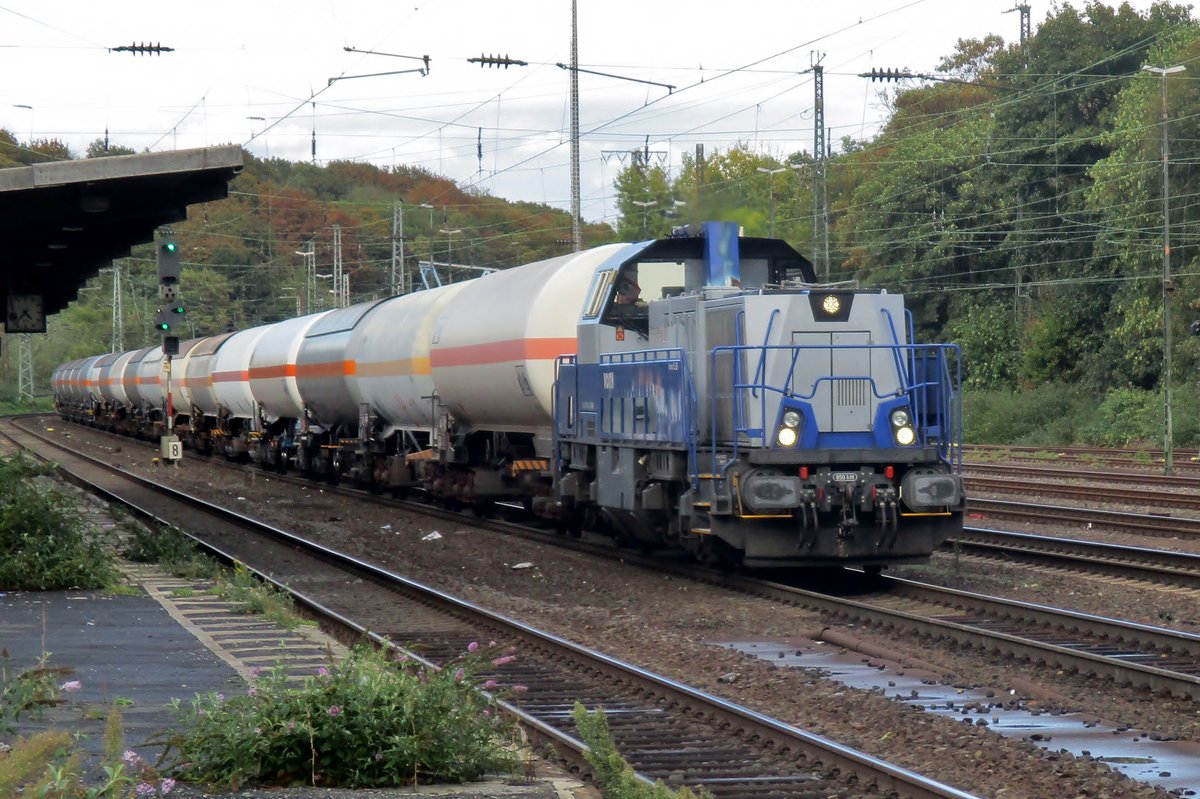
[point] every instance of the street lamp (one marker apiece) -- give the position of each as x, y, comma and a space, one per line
449, 260
644, 204
772, 173
1168, 434
28, 108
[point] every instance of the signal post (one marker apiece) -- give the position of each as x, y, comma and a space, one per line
170, 315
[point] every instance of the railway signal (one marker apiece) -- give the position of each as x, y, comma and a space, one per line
170, 316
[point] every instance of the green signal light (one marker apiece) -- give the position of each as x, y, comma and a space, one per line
170, 246
177, 309
163, 326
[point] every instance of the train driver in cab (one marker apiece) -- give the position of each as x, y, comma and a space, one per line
628, 290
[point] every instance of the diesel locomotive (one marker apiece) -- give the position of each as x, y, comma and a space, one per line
701, 392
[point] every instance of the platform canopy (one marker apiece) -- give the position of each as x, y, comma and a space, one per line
62, 222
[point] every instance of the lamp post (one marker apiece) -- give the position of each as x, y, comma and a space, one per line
1168, 433
430, 207
449, 260
28, 108
772, 173
644, 205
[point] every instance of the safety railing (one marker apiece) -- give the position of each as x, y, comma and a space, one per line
927, 374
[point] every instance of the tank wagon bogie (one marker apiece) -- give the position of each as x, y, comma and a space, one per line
743, 413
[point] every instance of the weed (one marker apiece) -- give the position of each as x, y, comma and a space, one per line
251, 595
368, 722
28, 690
613, 773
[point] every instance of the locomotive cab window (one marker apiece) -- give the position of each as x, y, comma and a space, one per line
634, 285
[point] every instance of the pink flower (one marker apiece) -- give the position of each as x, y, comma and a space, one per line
167, 785
520, 689
378, 756
146, 789
258, 730
334, 710
291, 725
459, 674
402, 658
471, 647
503, 660
252, 691
322, 672
130, 757
70, 687
490, 684
220, 697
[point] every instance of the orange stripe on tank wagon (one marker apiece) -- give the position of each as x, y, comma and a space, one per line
327, 369
277, 370
518, 349
398, 367
231, 377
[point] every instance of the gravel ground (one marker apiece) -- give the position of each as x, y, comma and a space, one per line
665, 624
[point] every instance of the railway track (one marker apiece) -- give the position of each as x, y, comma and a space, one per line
1110, 493
1148, 524
1141, 656
1095, 456
1073, 472
668, 730
1158, 566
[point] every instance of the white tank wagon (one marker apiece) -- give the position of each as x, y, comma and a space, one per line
198, 396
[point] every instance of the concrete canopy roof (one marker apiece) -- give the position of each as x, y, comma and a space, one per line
62, 222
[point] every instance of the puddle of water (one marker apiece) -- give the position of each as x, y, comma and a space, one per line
1174, 765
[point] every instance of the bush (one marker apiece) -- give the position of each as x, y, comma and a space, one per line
1049, 415
45, 543
368, 722
170, 549
1055, 415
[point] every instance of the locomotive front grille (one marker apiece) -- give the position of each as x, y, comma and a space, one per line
853, 393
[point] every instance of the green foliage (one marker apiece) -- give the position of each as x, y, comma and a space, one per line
612, 773
45, 542
1126, 417
1050, 414
984, 330
170, 549
367, 722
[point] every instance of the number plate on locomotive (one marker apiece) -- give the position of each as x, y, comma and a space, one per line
845, 477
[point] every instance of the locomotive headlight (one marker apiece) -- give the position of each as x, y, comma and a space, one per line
831, 304
786, 437
903, 432
791, 419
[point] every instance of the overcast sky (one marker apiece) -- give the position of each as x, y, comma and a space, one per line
250, 73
